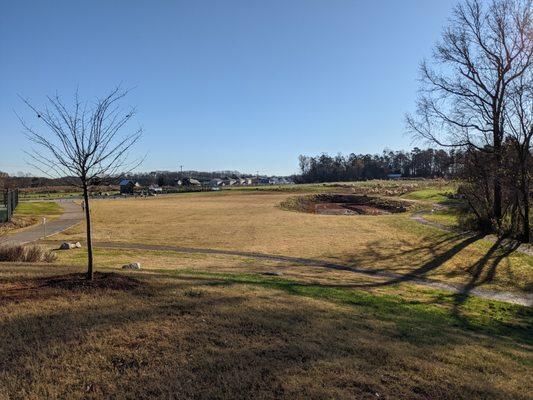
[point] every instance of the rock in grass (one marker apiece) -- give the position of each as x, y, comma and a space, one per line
135, 265
77, 245
272, 273
67, 246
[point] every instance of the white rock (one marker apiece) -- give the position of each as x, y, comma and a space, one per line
77, 245
135, 265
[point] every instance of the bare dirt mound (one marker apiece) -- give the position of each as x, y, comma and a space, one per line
21, 289
344, 204
101, 280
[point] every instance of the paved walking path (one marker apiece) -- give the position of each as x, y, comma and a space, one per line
72, 215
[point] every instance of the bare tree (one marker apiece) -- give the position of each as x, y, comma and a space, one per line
519, 131
84, 143
3, 177
483, 50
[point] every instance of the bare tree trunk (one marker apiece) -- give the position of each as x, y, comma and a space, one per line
497, 201
525, 201
89, 238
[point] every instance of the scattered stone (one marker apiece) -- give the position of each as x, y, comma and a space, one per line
78, 245
135, 265
273, 273
67, 246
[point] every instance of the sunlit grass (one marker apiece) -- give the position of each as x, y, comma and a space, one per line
434, 195
254, 222
38, 209
448, 217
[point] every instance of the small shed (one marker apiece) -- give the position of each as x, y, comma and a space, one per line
126, 186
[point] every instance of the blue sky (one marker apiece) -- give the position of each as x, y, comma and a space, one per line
243, 85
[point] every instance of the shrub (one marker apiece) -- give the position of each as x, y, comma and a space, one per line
31, 253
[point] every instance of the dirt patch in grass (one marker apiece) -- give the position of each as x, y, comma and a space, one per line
344, 204
21, 289
110, 280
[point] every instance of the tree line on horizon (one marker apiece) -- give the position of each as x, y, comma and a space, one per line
417, 163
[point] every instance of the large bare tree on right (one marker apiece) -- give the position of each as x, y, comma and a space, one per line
466, 87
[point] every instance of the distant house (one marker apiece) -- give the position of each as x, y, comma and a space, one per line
154, 189
228, 182
279, 181
126, 186
215, 182
190, 182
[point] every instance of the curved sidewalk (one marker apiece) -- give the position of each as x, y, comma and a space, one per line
72, 215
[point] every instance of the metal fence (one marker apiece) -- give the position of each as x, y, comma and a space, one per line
10, 202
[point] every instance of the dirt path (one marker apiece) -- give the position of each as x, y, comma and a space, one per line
72, 215
389, 278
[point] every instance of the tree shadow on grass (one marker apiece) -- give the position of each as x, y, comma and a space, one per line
227, 344
437, 260
434, 254
440, 249
354, 264
428, 317
483, 271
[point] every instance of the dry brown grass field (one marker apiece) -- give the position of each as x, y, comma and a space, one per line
250, 222
202, 320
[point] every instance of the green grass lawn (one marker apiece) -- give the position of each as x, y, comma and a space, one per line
38, 209
433, 195
448, 217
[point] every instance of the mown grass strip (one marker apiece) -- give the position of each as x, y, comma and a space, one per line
38, 208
